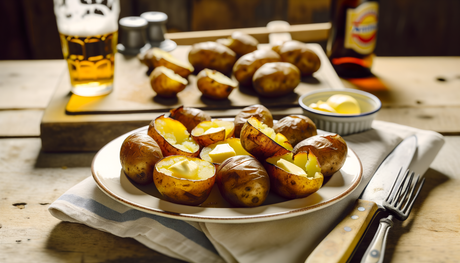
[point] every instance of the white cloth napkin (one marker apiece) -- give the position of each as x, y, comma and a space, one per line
285, 240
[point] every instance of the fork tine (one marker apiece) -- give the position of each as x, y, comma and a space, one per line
408, 208
395, 185
404, 190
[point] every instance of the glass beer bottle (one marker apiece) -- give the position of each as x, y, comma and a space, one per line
352, 38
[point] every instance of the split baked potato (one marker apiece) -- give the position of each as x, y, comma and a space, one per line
294, 176
331, 151
209, 132
172, 137
214, 85
184, 180
261, 141
166, 83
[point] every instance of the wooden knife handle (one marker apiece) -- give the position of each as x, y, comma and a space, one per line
342, 240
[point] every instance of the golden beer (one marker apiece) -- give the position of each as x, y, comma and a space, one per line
91, 62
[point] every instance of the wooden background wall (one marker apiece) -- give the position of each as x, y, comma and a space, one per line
406, 28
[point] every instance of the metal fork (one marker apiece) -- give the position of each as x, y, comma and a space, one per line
399, 204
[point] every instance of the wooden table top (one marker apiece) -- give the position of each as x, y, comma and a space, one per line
422, 92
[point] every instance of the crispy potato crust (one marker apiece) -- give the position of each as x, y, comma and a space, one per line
243, 181
138, 155
296, 128
298, 53
212, 55
276, 79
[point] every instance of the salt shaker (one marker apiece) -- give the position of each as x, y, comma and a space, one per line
156, 30
133, 35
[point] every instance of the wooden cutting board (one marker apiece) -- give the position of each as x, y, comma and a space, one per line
133, 94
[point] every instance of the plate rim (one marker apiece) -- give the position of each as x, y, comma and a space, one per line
212, 219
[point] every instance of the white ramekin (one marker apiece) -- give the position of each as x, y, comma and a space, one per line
342, 124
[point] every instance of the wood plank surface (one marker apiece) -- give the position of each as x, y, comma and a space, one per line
133, 93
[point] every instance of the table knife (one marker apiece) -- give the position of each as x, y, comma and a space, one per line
340, 243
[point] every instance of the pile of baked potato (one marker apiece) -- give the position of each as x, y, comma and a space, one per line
222, 65
186, 153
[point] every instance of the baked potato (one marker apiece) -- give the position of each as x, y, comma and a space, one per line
172, 137
261, 141
294, 176
214, 85
166, 83
184, 180
247, 65
296, 128
298, 53
243, 181
209, 132
212, 55
331, 151
138, 155
217, 157
158, 57
258, 111
189, 117
276, 79
241, 43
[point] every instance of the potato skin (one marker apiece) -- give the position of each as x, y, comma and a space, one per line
258, 111
211, 88
298, 53
247, 65
190, 117
243, 181
296, 128
181, 190
163, 85
276, 79
331, 151
212, 55
242, 43
138, 155
292, 186
258, 144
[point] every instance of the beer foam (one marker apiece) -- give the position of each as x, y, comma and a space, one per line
77, 19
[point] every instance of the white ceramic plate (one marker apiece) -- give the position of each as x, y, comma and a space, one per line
107, 173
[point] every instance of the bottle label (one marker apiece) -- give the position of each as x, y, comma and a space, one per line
361, 28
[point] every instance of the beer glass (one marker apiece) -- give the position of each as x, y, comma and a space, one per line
89, 34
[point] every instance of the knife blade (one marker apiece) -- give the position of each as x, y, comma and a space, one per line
340, 243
